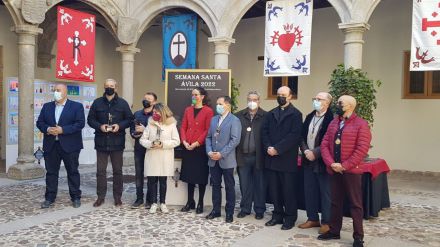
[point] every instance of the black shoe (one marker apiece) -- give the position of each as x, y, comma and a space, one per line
358, 243
199, 208
242, 214
76, 203
273, 222
98, 202
118, 202
329, 236
46, 204
137, 203
147, 205
287, 226
188, 206
259, 216
213, 215
229, 218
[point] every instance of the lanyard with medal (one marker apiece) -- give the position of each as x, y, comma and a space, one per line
339, 133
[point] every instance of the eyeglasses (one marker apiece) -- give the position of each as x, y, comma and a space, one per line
195, 94
318, 99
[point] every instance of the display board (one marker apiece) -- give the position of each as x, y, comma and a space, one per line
43, 92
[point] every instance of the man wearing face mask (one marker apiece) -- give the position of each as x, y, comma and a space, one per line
250, 158
136, 129
343, 149
316, 179
109, 115
223, 137
61, 121
281, 136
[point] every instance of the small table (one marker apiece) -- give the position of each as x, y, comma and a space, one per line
375, 194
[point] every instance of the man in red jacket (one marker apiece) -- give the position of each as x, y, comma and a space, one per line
343, 148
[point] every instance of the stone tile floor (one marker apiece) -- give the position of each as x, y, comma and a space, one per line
412, 220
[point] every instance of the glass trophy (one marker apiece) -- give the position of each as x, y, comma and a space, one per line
157, 142
109, 126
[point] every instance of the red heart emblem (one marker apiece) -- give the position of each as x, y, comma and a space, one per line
286, 41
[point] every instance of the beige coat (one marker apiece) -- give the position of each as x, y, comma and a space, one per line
160, 161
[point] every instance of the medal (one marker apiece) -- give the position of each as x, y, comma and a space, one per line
249, 129
338, 141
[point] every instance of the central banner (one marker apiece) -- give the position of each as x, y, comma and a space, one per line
287, 37
179, 42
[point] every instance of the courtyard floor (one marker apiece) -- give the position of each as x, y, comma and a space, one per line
412, 220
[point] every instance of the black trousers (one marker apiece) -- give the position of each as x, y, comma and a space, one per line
152, 186
101, 173
139, 162
282, 191
52, 160
216, 178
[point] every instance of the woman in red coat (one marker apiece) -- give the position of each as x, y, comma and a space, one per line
195, 125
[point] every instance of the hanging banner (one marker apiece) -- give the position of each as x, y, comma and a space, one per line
179, 42
287, 37
425, 45
76, 45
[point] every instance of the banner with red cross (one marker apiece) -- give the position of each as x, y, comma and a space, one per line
287, 37
76, 45
425, 45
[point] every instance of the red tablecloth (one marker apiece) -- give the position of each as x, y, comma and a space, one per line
374, 166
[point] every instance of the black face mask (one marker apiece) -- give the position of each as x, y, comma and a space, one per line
109, 91
281, 100
146, 103
339, 110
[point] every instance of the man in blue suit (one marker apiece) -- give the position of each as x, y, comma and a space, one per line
223, 137
61, 121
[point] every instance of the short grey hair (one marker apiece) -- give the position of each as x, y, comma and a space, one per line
254, 93
111, 80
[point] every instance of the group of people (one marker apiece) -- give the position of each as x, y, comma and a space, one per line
263, 146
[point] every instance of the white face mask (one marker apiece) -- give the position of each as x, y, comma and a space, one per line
57, 96
317, 105
252, 105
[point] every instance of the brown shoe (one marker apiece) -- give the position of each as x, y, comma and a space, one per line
118, 203
324, 229
98, 202
309, 224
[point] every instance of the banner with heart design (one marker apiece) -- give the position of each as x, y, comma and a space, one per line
425, 45
287, 37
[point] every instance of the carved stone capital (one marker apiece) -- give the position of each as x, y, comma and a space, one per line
221, 44
34, 11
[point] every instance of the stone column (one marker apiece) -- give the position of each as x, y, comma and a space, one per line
353, 43
26, 167
221, 51
127, 54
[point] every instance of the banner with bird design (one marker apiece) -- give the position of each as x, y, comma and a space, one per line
76, 45
287, 37
179, 42
425, 45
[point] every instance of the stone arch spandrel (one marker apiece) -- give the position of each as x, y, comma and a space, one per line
14, 11
148, 11
230, 19
354, 11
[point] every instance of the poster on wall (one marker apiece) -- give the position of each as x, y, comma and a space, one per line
43, 93
180, 83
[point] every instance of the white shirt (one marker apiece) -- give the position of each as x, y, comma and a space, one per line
58, 110
220, 121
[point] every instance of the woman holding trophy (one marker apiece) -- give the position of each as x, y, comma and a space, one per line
160, 137
195, 125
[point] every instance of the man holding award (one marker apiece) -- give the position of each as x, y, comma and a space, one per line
109, 115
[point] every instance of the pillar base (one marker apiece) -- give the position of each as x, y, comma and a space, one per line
26, 171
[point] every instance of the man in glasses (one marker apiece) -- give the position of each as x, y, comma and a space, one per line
316, 179
343, 149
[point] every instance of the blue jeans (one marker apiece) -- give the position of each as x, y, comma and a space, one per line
252, 186
317, 195
216, 178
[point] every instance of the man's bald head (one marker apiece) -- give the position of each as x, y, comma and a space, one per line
284, 91
348, 104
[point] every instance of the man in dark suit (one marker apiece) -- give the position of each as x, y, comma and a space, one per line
61, 121
223, 137
281, 136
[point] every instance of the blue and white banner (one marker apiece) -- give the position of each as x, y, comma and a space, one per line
179, 42
287, 37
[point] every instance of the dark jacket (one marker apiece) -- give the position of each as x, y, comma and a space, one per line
99, 115
72, 122
355, 143
318, 164
282, 130
256, 126
142, 117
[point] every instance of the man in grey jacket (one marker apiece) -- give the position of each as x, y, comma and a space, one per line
250, 158
222, 139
